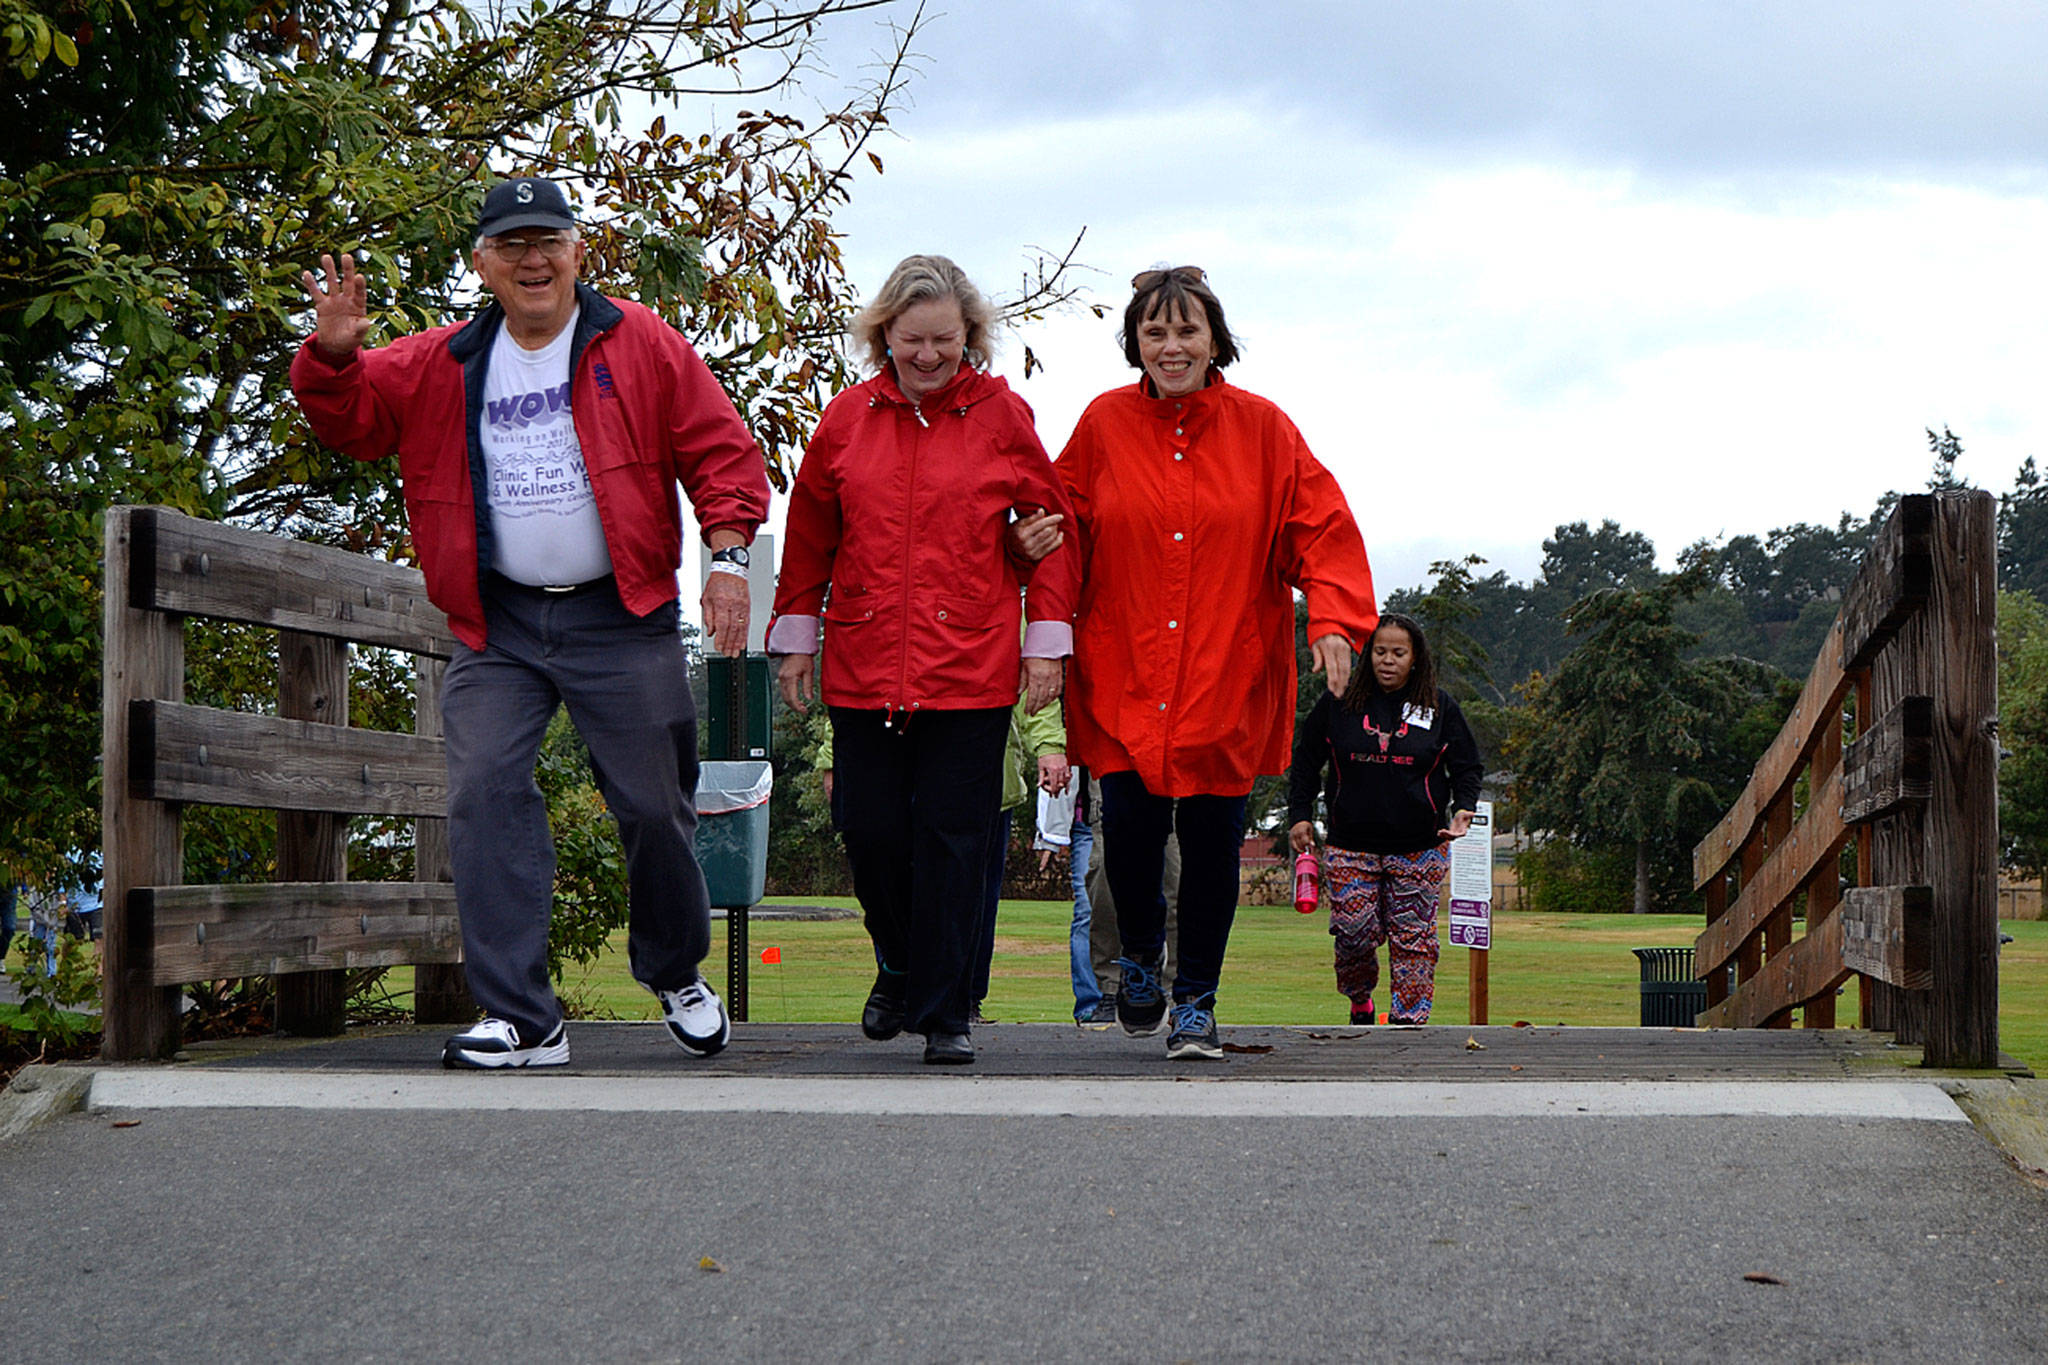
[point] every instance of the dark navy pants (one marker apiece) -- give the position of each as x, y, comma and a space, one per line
626, 682
920, 793
1135, 825
985, 941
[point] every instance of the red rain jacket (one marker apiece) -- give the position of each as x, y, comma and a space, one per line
900, 509
647, 411
1197, 516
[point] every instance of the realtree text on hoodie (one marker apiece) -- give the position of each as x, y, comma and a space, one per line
1396, 772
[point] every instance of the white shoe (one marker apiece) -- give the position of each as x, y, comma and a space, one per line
495, 1043
696, 1018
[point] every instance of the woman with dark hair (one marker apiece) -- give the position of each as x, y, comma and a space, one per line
1404, 776
1199, 512
895, 565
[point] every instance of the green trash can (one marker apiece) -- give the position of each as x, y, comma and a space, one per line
1671, 998
732, 829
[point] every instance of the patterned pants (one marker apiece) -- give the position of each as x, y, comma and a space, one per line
1386, 898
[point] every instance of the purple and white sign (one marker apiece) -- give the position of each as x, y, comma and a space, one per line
1471, 924
1472, 883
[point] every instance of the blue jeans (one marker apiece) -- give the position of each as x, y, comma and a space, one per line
1087, 990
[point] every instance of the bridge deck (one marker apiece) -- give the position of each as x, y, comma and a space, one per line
1300, 1053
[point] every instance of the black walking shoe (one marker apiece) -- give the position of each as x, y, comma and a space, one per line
1100, 1016
883, 1016
1194, 1032
1140, 1001
948, 1049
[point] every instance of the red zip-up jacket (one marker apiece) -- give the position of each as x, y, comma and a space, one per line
1197, 516
900, 509
648, 414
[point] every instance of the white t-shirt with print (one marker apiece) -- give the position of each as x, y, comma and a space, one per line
543, 518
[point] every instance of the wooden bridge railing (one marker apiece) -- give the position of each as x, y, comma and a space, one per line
305, 762
1914, 650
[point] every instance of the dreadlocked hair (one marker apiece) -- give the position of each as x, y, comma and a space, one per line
1419, 690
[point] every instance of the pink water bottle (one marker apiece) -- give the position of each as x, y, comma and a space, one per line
1306, 872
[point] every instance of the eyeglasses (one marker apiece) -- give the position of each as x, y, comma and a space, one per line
1152, 279
512, 250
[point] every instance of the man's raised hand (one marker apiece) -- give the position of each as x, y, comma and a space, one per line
341, 311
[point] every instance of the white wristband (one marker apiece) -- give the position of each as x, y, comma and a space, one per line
721, 566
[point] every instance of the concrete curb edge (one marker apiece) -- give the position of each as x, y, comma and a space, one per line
39, 1093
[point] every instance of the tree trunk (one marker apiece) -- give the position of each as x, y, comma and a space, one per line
1642, 906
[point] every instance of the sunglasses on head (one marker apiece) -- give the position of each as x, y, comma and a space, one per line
1185, 274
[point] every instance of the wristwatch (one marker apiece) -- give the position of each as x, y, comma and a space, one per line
733, 554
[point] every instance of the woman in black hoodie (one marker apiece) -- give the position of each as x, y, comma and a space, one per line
1404, 777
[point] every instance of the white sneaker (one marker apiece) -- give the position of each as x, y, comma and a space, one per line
696, 1018
495, 1043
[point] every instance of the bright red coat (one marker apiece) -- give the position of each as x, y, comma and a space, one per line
647, 411
900, 509
1197, 516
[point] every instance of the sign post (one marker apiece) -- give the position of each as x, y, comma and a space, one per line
1472, 900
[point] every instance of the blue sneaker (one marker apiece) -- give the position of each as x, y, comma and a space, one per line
1193, 1033
1140, 1002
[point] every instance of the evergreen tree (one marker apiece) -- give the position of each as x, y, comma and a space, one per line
1630, 743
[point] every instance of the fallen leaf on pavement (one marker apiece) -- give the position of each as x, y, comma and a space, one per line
1473, 1044
1758, 1277
127, 1123
1247, 1047
1515, 1067
706, 1263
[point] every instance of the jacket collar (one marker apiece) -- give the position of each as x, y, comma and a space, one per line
962, 391
1209, 394
598, 315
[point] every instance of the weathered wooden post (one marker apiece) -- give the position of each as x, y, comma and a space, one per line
440, 991
144, 657
312, 846
1962, 821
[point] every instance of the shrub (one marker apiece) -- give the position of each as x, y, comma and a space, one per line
1564, 879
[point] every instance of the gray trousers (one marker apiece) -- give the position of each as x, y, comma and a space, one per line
626, 682
1104, 945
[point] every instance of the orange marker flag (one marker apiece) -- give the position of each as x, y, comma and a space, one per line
771, 955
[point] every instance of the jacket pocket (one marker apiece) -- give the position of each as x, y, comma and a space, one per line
850, 606
967, 618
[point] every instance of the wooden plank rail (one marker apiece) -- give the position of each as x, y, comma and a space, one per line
1888, 588
1891, 765
1812, 846
203, 568
306, 763
1916, 790
1810, 966
1888, 934
232, 758
207, 933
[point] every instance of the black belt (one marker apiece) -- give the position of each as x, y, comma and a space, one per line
499, 580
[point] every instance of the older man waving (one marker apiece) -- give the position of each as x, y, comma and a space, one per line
540, 445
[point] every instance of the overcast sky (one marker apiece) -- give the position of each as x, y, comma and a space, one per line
1704, 269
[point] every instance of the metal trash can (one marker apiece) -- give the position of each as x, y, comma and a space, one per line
1671, 998
732, 829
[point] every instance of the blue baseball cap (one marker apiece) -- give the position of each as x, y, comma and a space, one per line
527, 202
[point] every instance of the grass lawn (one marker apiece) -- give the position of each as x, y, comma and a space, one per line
1546, 969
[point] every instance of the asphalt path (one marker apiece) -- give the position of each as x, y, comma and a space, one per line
380, 1211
